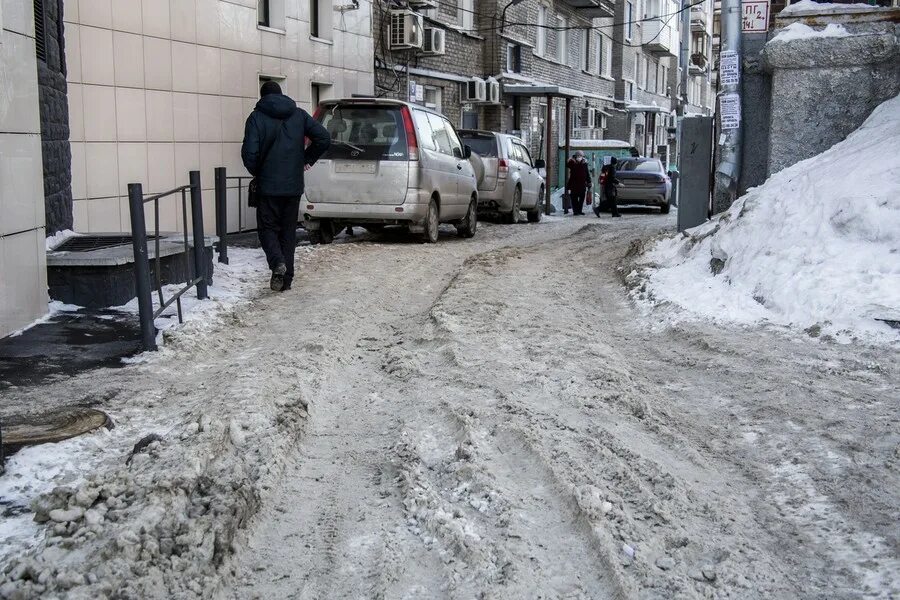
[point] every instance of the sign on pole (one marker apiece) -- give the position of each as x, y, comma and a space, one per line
754, 16
730, 111
729, 68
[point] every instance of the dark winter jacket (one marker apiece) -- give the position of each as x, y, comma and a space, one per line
277, 122
579, 176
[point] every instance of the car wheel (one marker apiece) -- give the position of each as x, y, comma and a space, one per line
534, 215
467, 228
432, 223
512, 216
664, 208
323, 235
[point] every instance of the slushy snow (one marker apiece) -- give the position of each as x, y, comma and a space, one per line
817, 246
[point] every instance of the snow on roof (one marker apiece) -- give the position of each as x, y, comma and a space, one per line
801, 31
814, 246
595, 144
809, 6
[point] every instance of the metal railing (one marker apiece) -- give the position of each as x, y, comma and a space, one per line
240, 179
195, 277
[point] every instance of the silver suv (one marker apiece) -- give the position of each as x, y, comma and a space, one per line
390, 163
512, 181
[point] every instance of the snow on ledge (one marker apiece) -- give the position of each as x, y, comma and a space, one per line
808, 6
59, 238
801, 31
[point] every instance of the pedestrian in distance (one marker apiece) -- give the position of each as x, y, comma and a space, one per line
579, 183
608, 183
275, 153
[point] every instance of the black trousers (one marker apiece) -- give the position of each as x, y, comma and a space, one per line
578, 201
612, 198
276, 222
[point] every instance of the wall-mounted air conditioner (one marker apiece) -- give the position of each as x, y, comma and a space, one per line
493, 91
476, 90
407, 30
435, 41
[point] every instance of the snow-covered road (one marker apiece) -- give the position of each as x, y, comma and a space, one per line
489, 418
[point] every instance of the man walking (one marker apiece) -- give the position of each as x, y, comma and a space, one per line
609, 181
275, 153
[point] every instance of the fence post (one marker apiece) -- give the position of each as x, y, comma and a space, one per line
141, 265
222, 214
199, 239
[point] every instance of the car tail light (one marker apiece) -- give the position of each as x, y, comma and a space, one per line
502, 167
411, 140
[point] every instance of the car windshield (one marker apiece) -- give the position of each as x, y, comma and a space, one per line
365, 132
641, 166
481, 144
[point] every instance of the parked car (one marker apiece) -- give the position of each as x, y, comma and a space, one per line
644, 181
512, 181
390, 163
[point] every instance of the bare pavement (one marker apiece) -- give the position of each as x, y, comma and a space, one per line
485, 418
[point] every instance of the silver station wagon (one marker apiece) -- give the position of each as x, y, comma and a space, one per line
512, 181
390, 163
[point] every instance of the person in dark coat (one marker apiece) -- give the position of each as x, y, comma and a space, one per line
609, 181
275, 153
579, 183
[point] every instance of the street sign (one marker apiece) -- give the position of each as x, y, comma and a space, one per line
729, 68
755, 16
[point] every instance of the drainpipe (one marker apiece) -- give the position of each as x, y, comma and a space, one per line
729, 170
684, 55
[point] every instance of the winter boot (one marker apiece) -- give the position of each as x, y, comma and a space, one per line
277, 281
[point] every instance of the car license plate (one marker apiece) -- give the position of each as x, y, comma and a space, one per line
366, 167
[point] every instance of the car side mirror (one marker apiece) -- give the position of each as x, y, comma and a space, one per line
540, 164
467, 152
457, 153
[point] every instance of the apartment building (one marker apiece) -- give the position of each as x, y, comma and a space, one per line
492, 65
700, 92
157, 88
23, 273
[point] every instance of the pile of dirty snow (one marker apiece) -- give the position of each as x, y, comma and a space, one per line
816, 247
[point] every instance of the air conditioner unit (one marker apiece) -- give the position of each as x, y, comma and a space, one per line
493, 91
476, 90
407, 30
420, 4
435, 41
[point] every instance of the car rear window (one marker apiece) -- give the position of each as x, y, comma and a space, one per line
481, 144
361, 132
641, 166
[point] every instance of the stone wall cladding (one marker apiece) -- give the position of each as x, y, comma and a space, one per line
824, 88
54, 111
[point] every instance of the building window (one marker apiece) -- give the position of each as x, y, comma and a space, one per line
602, 124
645, 64
607, 57
636, 69
314, 18
586, 50
629, 90
562, 45
541, 43
319, 92
629, 17
40, 33
467, 14
469, 119
320, 12
513, 58
262, 12
665, 87
433, 98
598, 53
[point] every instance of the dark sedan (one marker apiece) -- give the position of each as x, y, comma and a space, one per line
644, 181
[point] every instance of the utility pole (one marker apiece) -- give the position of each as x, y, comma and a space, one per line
683, 55
728, 172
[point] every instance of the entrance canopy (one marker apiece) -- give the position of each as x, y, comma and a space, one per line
526, 89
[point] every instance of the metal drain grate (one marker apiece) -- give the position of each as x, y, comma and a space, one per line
87, 243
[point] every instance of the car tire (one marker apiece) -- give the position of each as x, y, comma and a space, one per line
466, 229
323, 235
535, 214
512, 217
432, 223
665, 208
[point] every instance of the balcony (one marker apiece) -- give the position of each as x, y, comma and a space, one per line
699, 18
592, 9
699, 64
658, 38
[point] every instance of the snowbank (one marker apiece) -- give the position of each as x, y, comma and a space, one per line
817, 246
810, 6
800, 31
